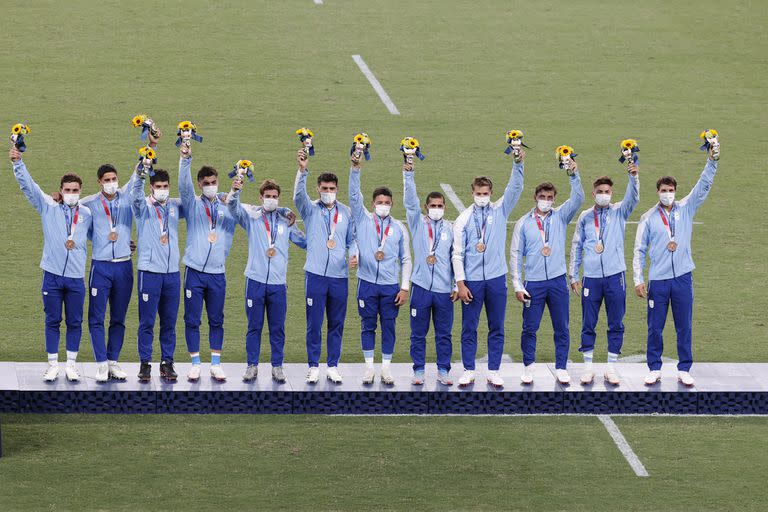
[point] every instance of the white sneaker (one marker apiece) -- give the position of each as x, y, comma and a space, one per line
217, 373
418, 378
685, 378
369, 375
386, 375
115, 372
194, 373
563, 377
494, 379
51, 373
587, 377
612, 377
467, 378
333, 375
102, 372
71, 372
527, 376
652, 378
313, 375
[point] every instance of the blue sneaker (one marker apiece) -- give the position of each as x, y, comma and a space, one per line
418, 378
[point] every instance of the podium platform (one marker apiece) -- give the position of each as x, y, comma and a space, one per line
721, 388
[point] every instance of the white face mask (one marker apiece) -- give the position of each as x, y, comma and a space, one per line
482, 201
70, 199
436, 213
543, 205
603, 199
270, 204
382, 210
667, 198
161, 194
210, 191
110, 188
328, 198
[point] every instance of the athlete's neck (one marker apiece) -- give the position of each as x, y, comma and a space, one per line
109, 196
541, 213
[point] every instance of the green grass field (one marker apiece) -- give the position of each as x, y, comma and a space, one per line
461, 73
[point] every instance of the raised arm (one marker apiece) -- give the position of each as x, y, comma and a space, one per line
127, 187
236, 208
359, 213
577, 248
701, 190
31, 190
631, 196
571, 206
186, 187
300, 197
513, 190
138, 202
411, 200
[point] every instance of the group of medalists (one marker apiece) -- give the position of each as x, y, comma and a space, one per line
464, 260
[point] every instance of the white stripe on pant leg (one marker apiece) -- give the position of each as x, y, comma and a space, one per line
376, 85
453, 197
622, 445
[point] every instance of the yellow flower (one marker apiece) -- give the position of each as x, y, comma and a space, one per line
147, 152
564, 150
708, 134
413, 143
186, 125
17, 128
514, 134
244, 164
628, 143
138, 120
305, 132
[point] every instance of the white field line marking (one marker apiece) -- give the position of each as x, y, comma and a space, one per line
622, 445
453, 197
459, 205
318, 2
376, 85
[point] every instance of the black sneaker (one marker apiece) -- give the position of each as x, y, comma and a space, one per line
167, 372
145, 372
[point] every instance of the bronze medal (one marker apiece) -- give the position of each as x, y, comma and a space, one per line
599, 248
431, 259
212, 236
69, 244
379, 255
480, 247
331, 243
546, 251
112, 236
271, 252
672, 246
164, 239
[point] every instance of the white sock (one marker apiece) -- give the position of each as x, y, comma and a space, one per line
612, 358
53, 359
368, 355
588, 358
71, 357
386, 359
112, 363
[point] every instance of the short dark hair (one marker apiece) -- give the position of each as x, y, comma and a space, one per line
160, 175
482, 181
381, 191
104, 169
70, 177
434, 195
206, 171
327, 177
546, 186
268, 185
666, 180
603, 180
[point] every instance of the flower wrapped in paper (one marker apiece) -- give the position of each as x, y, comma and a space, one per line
147, 160
410, 146
146, 124
629, 150
242, 168
187, 131
565, 156
514, 142
18, 131
361, 142
307, 137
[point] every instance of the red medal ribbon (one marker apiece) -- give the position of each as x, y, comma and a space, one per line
383, 239
666, 224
